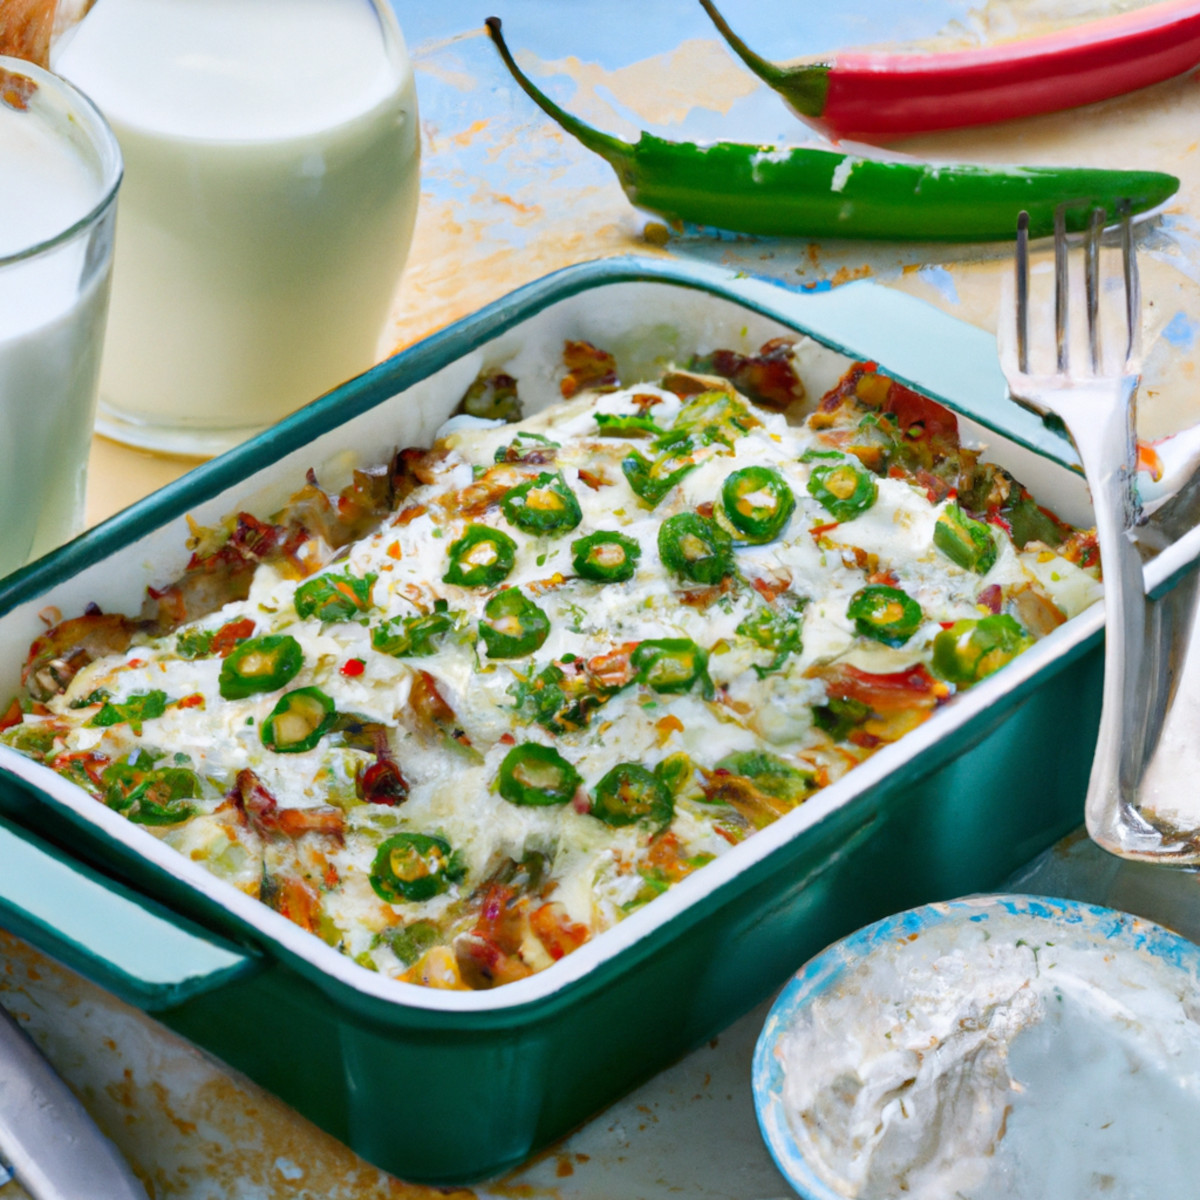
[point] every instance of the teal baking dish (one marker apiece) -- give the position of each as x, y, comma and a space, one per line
451, 1086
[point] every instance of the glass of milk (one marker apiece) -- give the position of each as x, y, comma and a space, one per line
271, 184
59, 172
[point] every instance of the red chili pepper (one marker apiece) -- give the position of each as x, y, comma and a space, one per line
881, 95
353, 667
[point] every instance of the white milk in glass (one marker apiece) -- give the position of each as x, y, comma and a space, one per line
59, 169
271, 151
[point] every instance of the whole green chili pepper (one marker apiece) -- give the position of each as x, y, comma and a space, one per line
965, 541
970, 650
542, 505
671, 665
298, 722
885, 614
629, 793
512, 625
481, 557
260, 665
758, 503
534, 775
842, 487
606, 557
414, 866
802, 192
695, 547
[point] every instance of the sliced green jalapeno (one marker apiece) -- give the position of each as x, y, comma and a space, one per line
481, 557
842, 487
414, 637
651, 481
512, 625
533, 775
671, 665
414, 866
965, 541
971, 650
758, 503
298, 722
150, 796
260, 665
606, 557
542, 505
629, 793
695, 547
770, 774
885, 613
334, 597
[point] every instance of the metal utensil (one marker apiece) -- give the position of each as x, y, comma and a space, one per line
46, 1135
1096, 404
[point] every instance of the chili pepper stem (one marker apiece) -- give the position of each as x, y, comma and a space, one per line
806, 87
612, 149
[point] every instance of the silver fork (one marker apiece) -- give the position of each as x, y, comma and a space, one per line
1096, 404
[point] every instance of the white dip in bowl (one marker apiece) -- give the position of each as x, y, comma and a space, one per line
987, 1049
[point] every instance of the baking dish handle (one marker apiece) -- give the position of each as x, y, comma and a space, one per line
130, 945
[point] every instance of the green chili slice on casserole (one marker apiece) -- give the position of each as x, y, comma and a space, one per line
415, 867
542, 505
695, 547
298, 722
842, 487
971, 650
965, 541
630, 793
757, 503
262, 664
513, 625
605, 557
885, 614
482, 557
334, 597
534, 775
671, 665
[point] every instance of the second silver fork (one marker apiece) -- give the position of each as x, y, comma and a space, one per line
1096, 404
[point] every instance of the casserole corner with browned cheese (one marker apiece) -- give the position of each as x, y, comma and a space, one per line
467, 714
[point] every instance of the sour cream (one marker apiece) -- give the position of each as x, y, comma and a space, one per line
998, 1048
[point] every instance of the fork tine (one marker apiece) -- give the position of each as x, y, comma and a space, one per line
1091, 263
1023, 291
1133, 291
1061, 286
